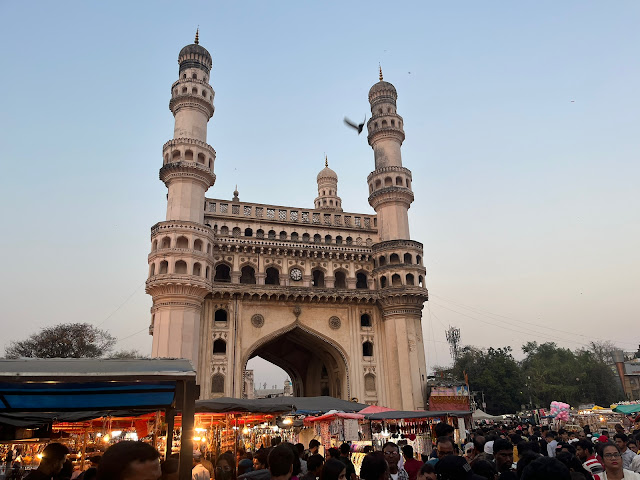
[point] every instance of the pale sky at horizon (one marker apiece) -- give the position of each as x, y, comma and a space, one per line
522, 133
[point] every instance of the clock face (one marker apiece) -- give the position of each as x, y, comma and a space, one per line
296, 274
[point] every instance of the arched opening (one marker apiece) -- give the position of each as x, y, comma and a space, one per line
219, 347
378, 183
248, 275
383, 282
188, 155
175, 155
418, 259
197, 245
260, 233
182, 242
327, 239
394, 258
217, 384
268, 379
197, 269
283, 235
313, 363
388, 182
166, 243
306, 237
180, 267
340, 279
370, 383
317, 238
349, 241
294, 236
152, 270
399, 181
382, 260
410, 279
396, 281
206, 273
408, 258
224, 231
220, 316
318, 278
201, 158
223, 273
272, 234
208, 248
421, 281
164, 267
248, 232
236, 232
154, 246
367, 349
365, 320
361, 281
273, 276
338, 240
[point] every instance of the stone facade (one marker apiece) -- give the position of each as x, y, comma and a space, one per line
333, 298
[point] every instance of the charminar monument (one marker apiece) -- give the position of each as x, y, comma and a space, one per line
333, 298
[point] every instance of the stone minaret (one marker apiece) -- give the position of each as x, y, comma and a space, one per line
179, 269
400, 277
328, 198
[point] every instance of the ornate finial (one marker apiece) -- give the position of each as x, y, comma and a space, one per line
380, 67
197, 41
235, 195
326, 162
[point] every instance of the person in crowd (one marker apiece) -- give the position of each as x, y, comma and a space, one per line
411, 465
65, 472
392, 456
295, 474
618, 428
546, 468
503, 455
454, 467
94, 460
205, 460
225, 468
245, 465
443, 429
314, 467
563, 435
374, 467
469, 452
281, 460
334, 469
54, 457
484, 469
260, 466
334, 453
427, 472
552, 443
169, 469
444, 447
576, 469
345, 450
633, 445
585, 452
130, 461
526, 457
303, 462
198, 472
613, 465
314, 447
622, 442
275, 441
478, 447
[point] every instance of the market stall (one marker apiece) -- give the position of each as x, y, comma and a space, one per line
58, 397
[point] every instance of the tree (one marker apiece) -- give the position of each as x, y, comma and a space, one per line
494, 372
126, 354
67, 340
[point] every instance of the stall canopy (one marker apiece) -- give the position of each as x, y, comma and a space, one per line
481, 415
333, 415
299, 405
627, 409
405, 415
374, 409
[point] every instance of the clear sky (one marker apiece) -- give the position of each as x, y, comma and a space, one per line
522, 133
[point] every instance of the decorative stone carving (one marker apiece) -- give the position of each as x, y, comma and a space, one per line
257, 320
297, 311
335, 323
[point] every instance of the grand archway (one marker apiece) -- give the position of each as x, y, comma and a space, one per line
315, 365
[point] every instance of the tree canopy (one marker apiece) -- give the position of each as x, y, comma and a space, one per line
67, 340
547, 373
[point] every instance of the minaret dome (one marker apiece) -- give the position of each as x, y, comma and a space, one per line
328, 198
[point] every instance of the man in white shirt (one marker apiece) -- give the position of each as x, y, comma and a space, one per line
199, 472
552, 443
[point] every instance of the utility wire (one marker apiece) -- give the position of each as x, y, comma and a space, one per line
121, 305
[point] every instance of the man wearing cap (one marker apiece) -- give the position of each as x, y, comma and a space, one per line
199, 472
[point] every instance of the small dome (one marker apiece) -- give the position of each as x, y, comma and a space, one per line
381, 86
326, 172
197, 50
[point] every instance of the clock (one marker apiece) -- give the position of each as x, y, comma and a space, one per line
296, 274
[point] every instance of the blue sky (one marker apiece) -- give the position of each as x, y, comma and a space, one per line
521, 123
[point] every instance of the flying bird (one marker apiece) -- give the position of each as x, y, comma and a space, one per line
353, 125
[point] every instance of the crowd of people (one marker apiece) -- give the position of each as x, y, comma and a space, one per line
515, 452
